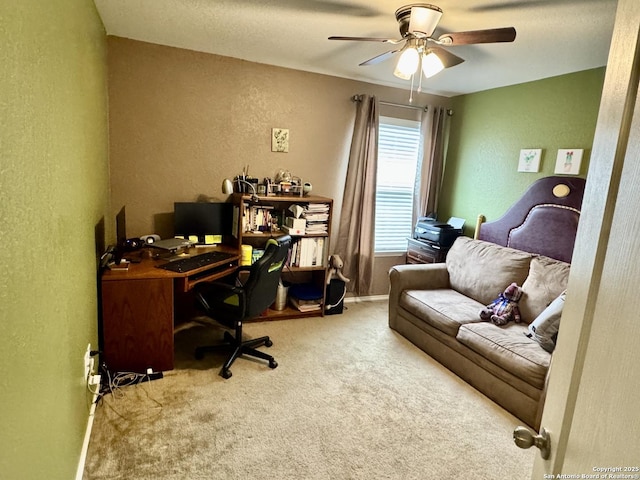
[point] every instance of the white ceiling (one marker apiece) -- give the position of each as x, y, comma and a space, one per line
554, 37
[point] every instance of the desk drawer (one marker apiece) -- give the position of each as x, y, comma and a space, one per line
418, 252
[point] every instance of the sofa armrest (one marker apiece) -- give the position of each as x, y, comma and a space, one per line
414, 277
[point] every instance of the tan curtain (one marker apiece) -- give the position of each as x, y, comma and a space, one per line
356, 230
431, 161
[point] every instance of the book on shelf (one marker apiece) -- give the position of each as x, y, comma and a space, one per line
308, 252
305, 305
257, 218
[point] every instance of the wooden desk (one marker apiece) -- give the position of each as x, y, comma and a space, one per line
138, 310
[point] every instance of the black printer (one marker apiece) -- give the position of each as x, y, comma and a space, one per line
441, 234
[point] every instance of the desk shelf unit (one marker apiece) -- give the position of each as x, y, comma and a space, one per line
270, 212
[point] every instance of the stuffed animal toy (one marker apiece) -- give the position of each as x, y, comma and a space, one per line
505, 307
335, 269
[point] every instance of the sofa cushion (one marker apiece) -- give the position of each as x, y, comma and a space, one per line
443, 309
544, 329
482, 270
509, 349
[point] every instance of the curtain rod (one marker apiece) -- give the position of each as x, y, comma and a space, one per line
413, 107
357, 98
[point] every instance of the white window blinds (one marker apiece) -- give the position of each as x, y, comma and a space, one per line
398, 147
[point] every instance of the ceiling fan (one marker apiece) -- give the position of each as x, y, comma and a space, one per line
417, 23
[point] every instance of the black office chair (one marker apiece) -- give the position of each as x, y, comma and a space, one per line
231, 304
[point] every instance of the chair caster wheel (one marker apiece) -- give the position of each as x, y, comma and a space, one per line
273, 364
268, 343
198, 354
226, 374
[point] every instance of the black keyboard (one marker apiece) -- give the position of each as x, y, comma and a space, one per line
197, 261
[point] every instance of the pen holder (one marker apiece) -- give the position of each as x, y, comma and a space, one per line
245, 185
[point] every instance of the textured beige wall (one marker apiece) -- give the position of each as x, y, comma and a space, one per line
182, 121
53, 201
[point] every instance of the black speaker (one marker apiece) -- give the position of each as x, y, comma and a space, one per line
334, 302
131, 244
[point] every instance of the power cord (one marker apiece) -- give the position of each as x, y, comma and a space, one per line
112, 391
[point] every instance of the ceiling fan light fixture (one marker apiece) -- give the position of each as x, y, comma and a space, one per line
417, 23
424, 19
431, 64
407, 63
401, 75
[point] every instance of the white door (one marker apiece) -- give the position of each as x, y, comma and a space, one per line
592, 411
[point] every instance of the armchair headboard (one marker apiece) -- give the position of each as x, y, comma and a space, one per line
543, 221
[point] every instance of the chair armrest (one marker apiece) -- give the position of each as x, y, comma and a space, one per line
414, 277
216, 287
210, 296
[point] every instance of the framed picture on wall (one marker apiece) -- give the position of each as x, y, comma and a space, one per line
280, 140
568, 161
529, 160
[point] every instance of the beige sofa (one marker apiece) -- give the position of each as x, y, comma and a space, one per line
436, 306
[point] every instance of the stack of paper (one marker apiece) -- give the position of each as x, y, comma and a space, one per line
317, 217
306, 305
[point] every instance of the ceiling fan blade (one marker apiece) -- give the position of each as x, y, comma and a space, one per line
379, 58
493, 35
331, 7
508, 4
447, 58
369, 39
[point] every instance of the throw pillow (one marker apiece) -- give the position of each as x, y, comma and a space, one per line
544, 329
546, 280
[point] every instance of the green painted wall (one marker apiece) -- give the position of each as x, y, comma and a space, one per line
53, 198
489, 129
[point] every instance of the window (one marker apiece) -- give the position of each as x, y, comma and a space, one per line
398, 147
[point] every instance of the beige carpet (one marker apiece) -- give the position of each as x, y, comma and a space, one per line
350, 399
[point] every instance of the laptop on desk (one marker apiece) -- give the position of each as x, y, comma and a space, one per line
172, 244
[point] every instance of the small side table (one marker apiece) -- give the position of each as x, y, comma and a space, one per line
425, 252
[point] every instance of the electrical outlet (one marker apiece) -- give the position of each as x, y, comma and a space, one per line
88, 362
94, 379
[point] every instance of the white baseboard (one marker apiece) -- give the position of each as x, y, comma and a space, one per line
87, 437
370, 298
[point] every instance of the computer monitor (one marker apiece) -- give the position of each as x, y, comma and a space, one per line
121, 236
203, 220
121, 228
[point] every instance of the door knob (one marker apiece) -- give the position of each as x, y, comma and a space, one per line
524, 438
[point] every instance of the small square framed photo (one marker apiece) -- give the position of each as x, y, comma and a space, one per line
568, 161
529, 160
280, 140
